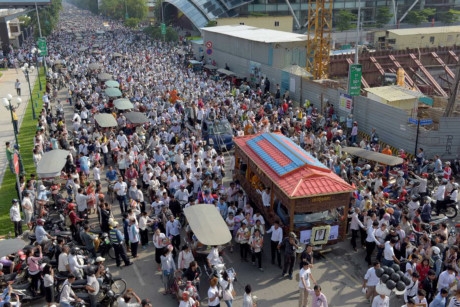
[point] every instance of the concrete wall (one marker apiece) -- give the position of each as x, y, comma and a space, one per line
279, 23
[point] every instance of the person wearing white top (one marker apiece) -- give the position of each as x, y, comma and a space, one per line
266, 196
371, 281
276, 238
304, 283
185, 258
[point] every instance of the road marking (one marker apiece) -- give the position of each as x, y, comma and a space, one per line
141, 280
341, 270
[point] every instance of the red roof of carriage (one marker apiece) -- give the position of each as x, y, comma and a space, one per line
290, 167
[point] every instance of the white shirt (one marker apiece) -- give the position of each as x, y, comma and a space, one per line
266, 199
388, 251
93, 283
277, 234
381, 302
15, 214
372, 279
63, 262
213, 257
304, 274
66, 293
445, 279
120, 188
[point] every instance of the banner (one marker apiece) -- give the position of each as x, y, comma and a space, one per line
345, 102
305, 235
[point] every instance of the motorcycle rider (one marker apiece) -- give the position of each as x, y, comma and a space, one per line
439, 196
451, 198
75, 266
92, 286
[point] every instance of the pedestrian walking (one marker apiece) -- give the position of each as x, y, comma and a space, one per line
289, 245
134, 236
116, 239
276, 238
318, 299
17, 86
15, 216
371, 281
304, 283
242, 237
371, 241
256, 242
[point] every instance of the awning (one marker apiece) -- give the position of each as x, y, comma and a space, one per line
123, 104
104, 76
105, 120
112, 92
112, 83
207, 224
94, 66
226, 72
52, 163
210, 67
373, 156
136, 117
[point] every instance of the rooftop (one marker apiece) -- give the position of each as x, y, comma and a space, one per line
257, 34
393, 93
292, 169
427, 30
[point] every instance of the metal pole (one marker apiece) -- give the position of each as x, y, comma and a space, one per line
12, 121
357, 33
38, 71
38, 20
416, 137
26, 72
163, 19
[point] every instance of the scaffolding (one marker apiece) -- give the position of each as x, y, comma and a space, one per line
319, 25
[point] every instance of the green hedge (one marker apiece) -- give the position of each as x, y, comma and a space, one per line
25, 139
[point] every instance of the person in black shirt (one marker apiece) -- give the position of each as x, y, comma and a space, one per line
193, 274
429, 285
175, 206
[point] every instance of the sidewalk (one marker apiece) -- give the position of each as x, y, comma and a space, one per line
6, 126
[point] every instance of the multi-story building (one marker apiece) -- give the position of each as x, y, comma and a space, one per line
200, 12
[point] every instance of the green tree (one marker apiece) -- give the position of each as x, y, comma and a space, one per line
211, 23
155, 33
416, 17
137, 9
117, 9
132, 22
48, 15
383, 16
90, 5
449, 17
344, 20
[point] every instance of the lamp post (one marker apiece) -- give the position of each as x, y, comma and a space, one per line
26, 69
7, 103
36, 54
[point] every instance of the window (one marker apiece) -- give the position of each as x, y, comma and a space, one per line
241, 23
432, 39
392, 41
277, 23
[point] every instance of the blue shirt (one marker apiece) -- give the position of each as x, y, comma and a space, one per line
40, 233
438, 301
111, 175
84, 163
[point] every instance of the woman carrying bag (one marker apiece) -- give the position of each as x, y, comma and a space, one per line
227, 287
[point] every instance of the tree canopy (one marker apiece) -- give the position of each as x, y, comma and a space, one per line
155, 33
49, 17
344, 20
449, 17
124, 9
416, 17
383, 16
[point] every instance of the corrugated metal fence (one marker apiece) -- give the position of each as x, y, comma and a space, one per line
391, 123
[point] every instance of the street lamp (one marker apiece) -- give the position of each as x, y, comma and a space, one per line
36, 53
26, 69
7, 103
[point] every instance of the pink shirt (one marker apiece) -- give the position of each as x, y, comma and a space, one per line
317, 301
33, 264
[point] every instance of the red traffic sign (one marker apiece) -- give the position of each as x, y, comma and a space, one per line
16, 163
209, 44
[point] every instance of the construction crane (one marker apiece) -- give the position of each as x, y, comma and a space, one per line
319, 29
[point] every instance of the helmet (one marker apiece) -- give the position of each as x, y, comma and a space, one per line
74, 250
358, 169
40, 222
21, 255
425, 175
71, 206
386, 195
404, 192
448, 163
455, 185
435, 250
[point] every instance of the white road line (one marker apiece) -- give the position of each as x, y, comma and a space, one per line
141, 280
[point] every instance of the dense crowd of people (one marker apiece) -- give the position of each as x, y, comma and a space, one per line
154, 169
